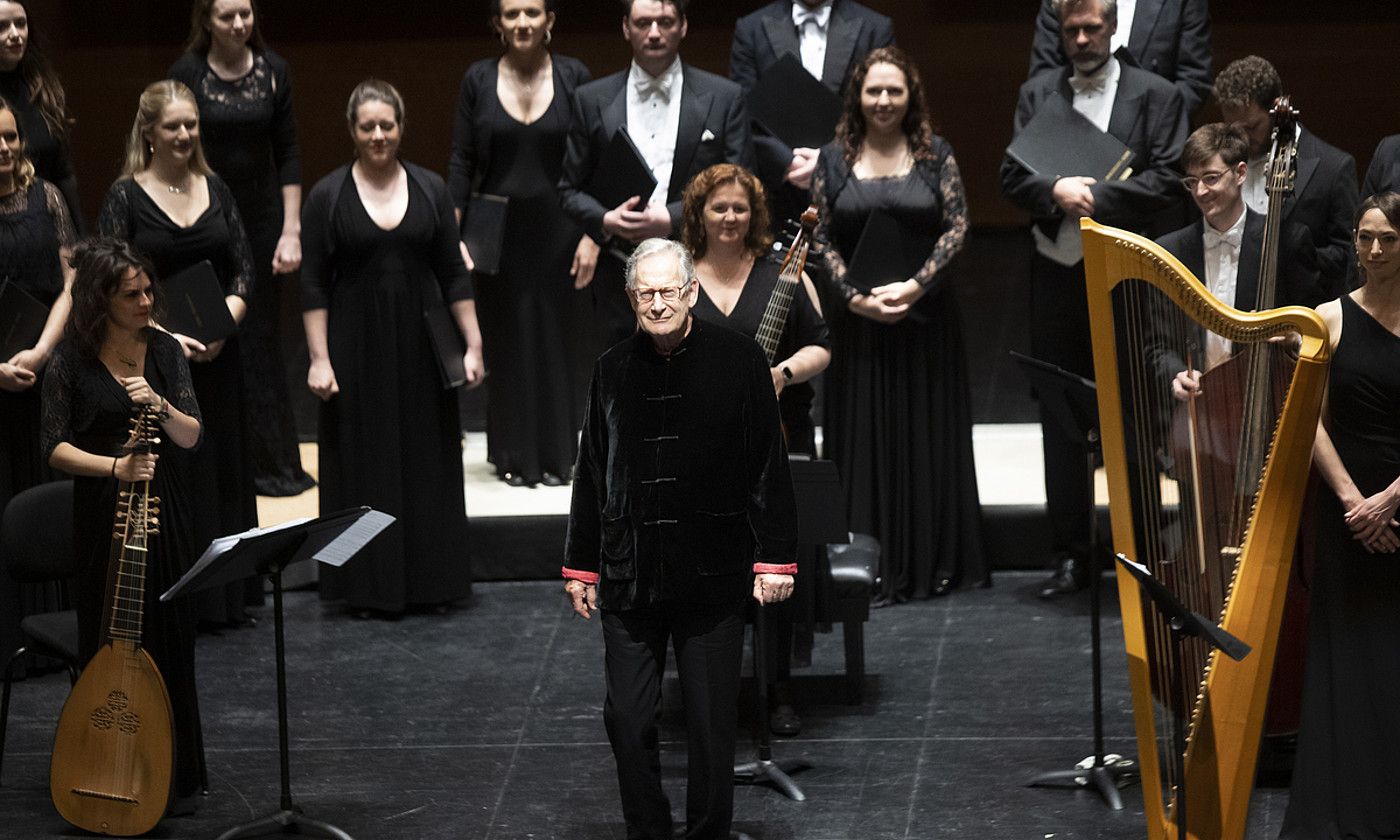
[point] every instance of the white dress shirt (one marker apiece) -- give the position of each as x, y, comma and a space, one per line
1126, 8
653, 120
1094, 95
812, 26
1222, 262
1257, 176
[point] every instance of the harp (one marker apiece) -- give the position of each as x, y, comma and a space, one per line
1207, 499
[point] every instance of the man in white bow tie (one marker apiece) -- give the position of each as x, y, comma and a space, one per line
1223, 248
681, 119
1145, 113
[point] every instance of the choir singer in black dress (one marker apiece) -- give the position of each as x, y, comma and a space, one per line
897, 420
244, 94
682, 509
36, 236
32, 88
380, 250
172, 207
114, 359
512, 120
725, 224
1345, 775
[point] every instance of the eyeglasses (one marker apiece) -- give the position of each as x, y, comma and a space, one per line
1210, 179
669, 294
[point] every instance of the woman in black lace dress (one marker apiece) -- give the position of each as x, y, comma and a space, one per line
512, 118
1346, 774
110, 361
34, 91
177, 212
35, 237
381, 249
897, 419
249, 136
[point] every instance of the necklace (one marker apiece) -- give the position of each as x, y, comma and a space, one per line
126, 360
176, 190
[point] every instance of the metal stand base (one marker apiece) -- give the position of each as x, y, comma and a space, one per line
285, 822
775, 773
1103, 778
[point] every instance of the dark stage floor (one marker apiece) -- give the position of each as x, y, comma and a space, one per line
486, 724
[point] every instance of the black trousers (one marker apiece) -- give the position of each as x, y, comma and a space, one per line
1060, 335
709, 645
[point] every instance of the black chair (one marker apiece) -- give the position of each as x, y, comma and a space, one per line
853, 571
36, 542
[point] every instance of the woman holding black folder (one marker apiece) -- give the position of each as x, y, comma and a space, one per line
380, 257
513, 116
178, 213
249, 135
897, 419
36, 236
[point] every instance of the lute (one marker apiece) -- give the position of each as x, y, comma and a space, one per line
114, 751
775, 314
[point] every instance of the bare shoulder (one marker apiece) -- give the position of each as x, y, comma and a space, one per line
1331, 313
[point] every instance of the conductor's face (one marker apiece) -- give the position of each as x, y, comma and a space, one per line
655, 30
662, 299
1087, 35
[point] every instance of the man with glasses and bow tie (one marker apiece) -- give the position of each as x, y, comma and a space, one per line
682, 510
681, 119
1222, 249
1145, 113
829, 37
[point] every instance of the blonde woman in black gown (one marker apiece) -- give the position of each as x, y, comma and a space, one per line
379, 248
1347, 773
513, 114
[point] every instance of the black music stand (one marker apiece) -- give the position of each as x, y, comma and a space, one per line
333, 538
821, 519
1184, 624
1072, 403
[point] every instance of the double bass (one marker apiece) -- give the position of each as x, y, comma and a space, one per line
114, 751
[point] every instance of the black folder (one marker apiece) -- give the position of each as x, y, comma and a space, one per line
887, 252
194, 304
793, 106
621, 173
484, 231
1061, 141
22, 319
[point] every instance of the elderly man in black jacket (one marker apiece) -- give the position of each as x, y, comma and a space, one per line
682, 119
682, 508
1145, 113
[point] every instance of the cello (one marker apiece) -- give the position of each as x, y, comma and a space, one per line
114, 751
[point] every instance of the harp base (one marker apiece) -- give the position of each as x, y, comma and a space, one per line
1103, 777
285, 822
775, 773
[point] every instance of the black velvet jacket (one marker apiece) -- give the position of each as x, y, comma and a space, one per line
682, 481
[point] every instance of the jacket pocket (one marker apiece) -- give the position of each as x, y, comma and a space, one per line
619, 554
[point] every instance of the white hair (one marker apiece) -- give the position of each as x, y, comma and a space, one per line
657, 245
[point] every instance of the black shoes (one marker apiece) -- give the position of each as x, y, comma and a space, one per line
1070, 577
549, 479
941, 587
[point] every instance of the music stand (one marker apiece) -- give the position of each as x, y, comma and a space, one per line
1184, 624
334, 539
821, 519
1072, 403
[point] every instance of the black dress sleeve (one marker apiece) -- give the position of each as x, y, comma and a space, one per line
821, 197
56, 413
63, 229
316, 267
447, 256
805, 322
286, 154
461, 164
170, 360
240, 258
954, 225
114, 219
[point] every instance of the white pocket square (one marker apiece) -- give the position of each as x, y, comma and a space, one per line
706, 136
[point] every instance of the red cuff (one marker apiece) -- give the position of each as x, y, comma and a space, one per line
590, 578
775, 568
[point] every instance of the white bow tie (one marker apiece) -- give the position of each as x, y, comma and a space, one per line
1089, 84
1230, 237
648, 85
802, 15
